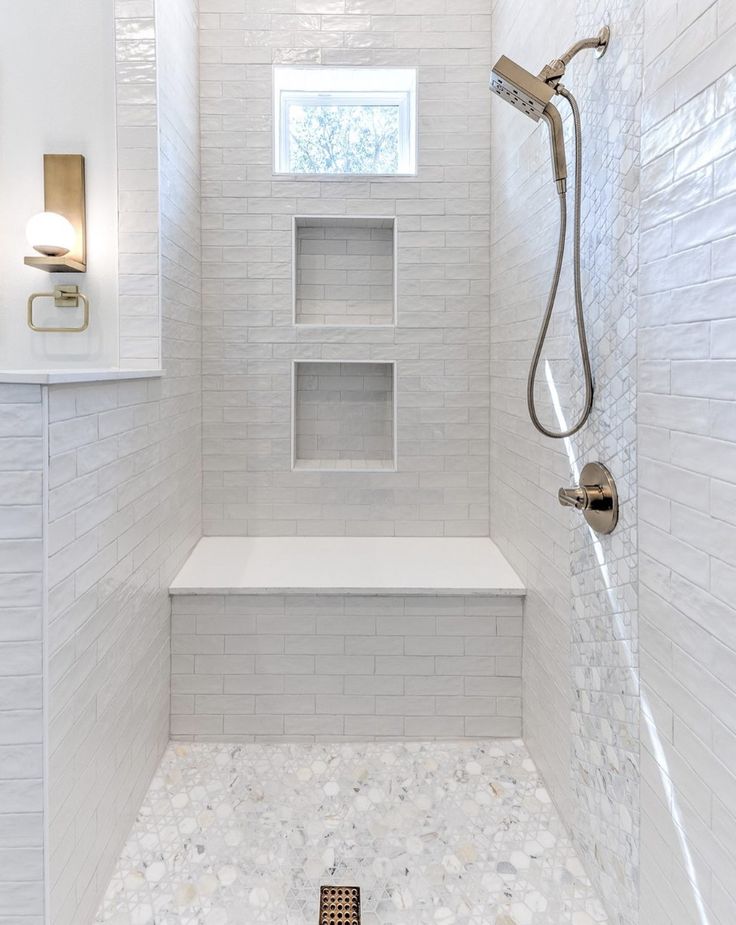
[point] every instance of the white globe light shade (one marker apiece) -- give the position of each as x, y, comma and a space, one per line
50, 234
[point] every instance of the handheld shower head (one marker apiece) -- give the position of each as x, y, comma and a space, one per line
517, 86
533, 97
552, 117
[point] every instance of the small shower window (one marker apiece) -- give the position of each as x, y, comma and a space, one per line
344, 120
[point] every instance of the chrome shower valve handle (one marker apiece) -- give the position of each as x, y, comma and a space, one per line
596, 496
574, 497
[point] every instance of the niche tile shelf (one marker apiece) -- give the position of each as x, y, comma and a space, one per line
344, 416
344, 270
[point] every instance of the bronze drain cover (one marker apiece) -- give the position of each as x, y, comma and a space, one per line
339, 905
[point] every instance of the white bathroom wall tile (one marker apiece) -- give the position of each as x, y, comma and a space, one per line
354, 671
687, 561
125, 465
580, 727
525, 519
605, 623
443, 270
137, 146
344, 273
343, 419
22, 424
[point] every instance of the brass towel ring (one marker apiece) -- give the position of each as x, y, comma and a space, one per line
64, 297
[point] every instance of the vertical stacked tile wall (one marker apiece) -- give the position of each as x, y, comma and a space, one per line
441, 342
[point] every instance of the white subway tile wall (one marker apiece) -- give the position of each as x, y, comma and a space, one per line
527, 522
687, 439
122, 473
139, 322
441, 343
21, 654
124, 512
344, 271
581, 633
326, 668
344, 415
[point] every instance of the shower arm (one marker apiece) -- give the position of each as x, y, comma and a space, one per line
553, 72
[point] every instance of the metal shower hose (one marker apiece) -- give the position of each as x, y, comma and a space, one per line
579, 316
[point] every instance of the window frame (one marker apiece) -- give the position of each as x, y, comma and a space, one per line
404, 99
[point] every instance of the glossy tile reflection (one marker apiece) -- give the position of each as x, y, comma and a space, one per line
431, 832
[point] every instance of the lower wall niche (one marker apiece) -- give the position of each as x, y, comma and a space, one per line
344, 416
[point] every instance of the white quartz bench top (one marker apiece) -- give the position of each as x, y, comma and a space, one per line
346, 565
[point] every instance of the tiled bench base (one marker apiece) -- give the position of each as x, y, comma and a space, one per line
310, 667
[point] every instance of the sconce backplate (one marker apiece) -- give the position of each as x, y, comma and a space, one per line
65, 193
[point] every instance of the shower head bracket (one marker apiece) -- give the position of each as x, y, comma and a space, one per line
553, 72
604, 37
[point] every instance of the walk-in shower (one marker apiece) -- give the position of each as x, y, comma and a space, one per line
533, 96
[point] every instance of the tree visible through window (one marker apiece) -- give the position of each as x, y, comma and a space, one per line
343, 139
344, 120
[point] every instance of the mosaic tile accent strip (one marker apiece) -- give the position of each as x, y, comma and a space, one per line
605, 633
432, 833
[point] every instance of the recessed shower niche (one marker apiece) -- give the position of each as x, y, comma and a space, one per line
344, 416
344, 270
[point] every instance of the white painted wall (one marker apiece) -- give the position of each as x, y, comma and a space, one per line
57, 102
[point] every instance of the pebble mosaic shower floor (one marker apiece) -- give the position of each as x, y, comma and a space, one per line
433, 833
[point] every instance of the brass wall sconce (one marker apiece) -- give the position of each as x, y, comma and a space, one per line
64, 297
59, 234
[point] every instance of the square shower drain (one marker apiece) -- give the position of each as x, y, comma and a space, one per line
339, 905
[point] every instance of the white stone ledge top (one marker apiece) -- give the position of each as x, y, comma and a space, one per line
58, 376
346, 565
